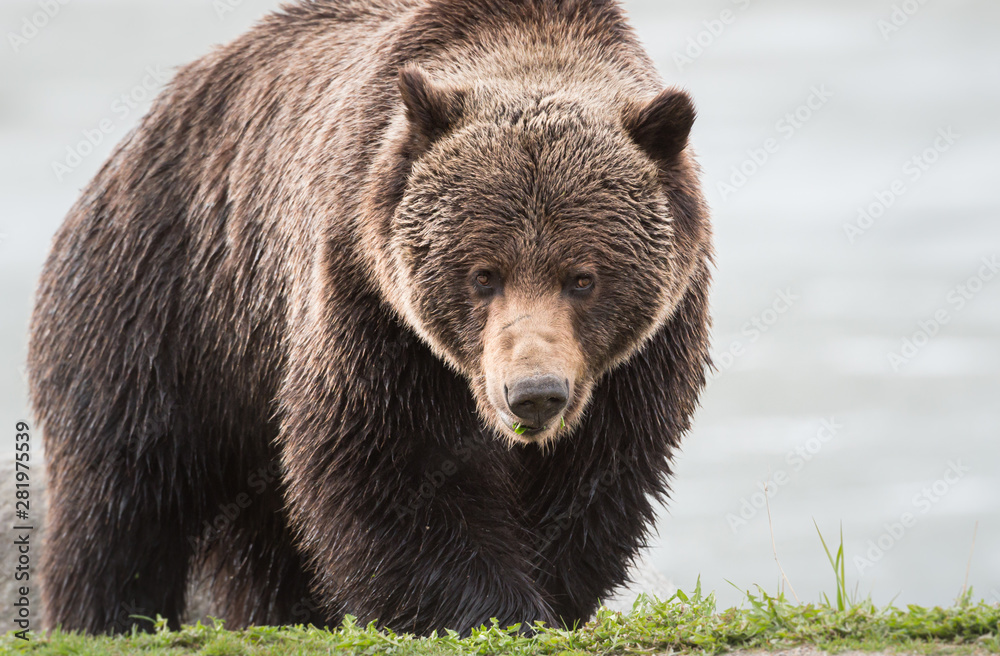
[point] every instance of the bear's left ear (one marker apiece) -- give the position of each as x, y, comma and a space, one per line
432, 109
662, 127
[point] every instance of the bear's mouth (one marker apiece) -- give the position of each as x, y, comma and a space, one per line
527, 431
521, 429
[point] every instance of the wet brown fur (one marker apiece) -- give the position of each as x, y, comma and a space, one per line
275, 267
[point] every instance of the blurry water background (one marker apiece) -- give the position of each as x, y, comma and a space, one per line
811, 112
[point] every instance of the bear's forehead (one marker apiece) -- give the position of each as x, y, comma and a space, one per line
534, 219
544, 110
547, 166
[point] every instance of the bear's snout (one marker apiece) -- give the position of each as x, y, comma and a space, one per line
537, 399
535, 374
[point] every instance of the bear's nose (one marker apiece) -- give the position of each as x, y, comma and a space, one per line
538, 399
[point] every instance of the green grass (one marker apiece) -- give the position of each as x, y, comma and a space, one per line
688, 623
685, 622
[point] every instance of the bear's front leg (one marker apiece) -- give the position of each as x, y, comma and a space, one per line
405, 511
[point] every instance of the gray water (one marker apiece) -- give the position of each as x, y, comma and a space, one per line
806, 315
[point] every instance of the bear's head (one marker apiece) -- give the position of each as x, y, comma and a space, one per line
536, 240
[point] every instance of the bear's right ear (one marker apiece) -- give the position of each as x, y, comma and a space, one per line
431, 108
662, 127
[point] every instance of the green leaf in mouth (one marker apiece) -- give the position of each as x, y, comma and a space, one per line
520, 428
562, 423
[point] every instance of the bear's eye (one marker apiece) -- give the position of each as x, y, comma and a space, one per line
580, 285
486, 283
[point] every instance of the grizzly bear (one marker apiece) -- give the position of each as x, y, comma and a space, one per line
390, 308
